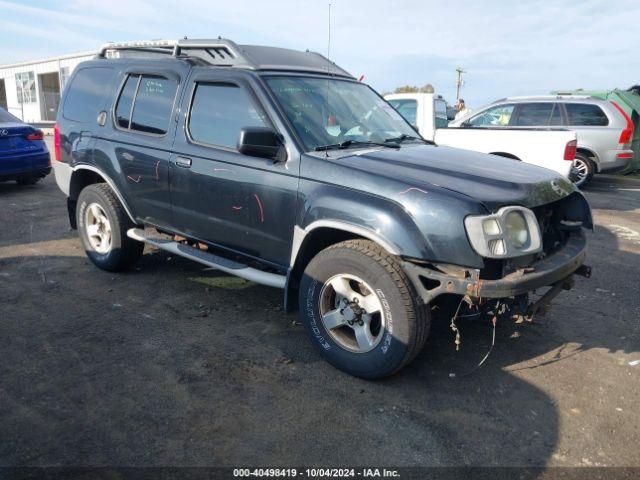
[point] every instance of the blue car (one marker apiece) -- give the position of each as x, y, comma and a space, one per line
23, 154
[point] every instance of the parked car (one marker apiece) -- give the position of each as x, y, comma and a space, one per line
23, 154
550, 148
605, 131
281, 168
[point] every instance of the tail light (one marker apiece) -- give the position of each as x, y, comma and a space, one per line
625, 155
627, 133
37, 135
56, 143
570, 150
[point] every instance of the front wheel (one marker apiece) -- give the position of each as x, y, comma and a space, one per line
582, 170
361, 310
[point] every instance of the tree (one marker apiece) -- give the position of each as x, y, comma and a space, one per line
428, 88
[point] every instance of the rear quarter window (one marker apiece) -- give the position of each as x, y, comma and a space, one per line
585, 115
86, 95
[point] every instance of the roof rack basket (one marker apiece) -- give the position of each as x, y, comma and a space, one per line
219, 52
225, 53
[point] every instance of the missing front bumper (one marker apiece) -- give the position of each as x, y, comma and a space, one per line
549, 271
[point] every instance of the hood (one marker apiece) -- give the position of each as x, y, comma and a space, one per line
492, 180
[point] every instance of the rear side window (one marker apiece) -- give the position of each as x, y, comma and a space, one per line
219, 111
125, 102
534, 114
146, 103
407, 108
585, 115
6, 117
556, 116
87, 93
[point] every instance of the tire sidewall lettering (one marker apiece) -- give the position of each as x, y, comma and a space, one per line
313, 317
388, 334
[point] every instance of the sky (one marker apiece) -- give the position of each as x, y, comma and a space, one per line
507, 47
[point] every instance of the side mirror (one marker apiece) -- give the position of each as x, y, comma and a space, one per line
261, 142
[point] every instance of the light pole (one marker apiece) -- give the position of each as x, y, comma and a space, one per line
460, 71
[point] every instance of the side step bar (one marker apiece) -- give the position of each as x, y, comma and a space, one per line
229, 266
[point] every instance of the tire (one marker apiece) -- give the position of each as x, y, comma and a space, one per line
582, 171
102, 226
29, 181
397, 324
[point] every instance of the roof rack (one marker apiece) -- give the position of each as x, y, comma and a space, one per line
220, 52
226, 53
545, 97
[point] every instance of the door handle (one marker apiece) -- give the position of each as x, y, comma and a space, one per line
183, 162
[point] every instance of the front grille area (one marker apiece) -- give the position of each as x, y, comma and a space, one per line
557, 221
553, 235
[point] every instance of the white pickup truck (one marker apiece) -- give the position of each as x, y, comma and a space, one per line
551, 148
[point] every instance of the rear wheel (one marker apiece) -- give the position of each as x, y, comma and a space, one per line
582, 170
102, 225
361, 310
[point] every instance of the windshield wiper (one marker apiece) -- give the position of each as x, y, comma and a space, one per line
349, 143
405, 137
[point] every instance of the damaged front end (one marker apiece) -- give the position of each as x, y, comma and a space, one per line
526, 284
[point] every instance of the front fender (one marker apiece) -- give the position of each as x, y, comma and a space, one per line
426, 227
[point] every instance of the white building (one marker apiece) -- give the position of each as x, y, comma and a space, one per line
31, 90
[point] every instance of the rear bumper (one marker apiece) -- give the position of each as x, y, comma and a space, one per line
25, 166
62, 172
546, 272
612, 163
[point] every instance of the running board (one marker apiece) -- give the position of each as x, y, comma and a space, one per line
219, 263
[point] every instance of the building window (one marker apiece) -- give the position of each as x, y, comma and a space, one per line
64, 77
26, 87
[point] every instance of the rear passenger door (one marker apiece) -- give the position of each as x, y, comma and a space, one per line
138, 146
241, 203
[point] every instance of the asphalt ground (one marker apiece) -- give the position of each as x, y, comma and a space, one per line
173, 364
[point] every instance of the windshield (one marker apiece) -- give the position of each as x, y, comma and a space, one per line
331, 111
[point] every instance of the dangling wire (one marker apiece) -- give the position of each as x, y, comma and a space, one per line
494, 320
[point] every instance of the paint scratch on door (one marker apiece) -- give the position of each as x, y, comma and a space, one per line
255, 195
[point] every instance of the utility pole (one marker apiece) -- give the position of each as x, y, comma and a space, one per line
460, 71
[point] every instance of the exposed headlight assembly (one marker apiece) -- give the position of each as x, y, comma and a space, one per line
510, 232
